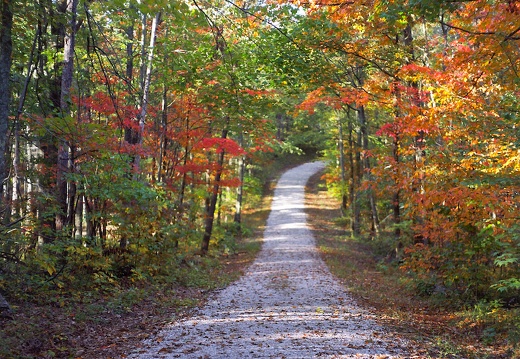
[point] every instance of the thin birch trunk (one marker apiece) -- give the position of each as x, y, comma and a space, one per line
146, 87
129, 73
163, 141
62, 217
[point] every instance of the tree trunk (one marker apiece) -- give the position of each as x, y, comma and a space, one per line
63, 216
219, 212
17, 183
356, 182
352, 178
418, 143
240, 188
6, 49
396, 201
5, 309
341, 150
18, 179
163, 140
212, 203
142, 64
129, 133
366, 166
146, 81
90, 222
363, 125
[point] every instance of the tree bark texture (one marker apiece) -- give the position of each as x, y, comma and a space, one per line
6, 49
62, 217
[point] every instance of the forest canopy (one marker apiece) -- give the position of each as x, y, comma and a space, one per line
131, 132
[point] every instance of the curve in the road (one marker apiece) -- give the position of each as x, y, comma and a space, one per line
287, 305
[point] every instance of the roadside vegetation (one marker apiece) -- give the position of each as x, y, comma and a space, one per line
435, 325
108, 318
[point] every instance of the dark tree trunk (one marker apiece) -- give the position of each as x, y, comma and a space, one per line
341, 150
6, 49
163, 127
354, 217
240, 189
212, 202
356, 180
5, 309
396, 201
366, 166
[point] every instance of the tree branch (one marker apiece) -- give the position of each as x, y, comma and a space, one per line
512, 36
466, 30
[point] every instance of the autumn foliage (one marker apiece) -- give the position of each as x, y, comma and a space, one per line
114, 182
439, 83
173, 106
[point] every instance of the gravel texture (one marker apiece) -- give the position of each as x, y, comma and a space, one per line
287, 305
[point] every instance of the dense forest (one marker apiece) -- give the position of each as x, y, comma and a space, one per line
133, 132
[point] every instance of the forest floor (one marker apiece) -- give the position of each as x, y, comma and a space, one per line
109, 328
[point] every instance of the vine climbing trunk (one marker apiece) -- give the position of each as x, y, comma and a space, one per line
17, 163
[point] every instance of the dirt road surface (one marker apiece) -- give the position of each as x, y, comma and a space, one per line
287, 305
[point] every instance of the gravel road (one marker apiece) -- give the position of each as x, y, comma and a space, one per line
287, 305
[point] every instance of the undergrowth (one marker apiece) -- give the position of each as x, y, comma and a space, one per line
437, 323
94, 304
